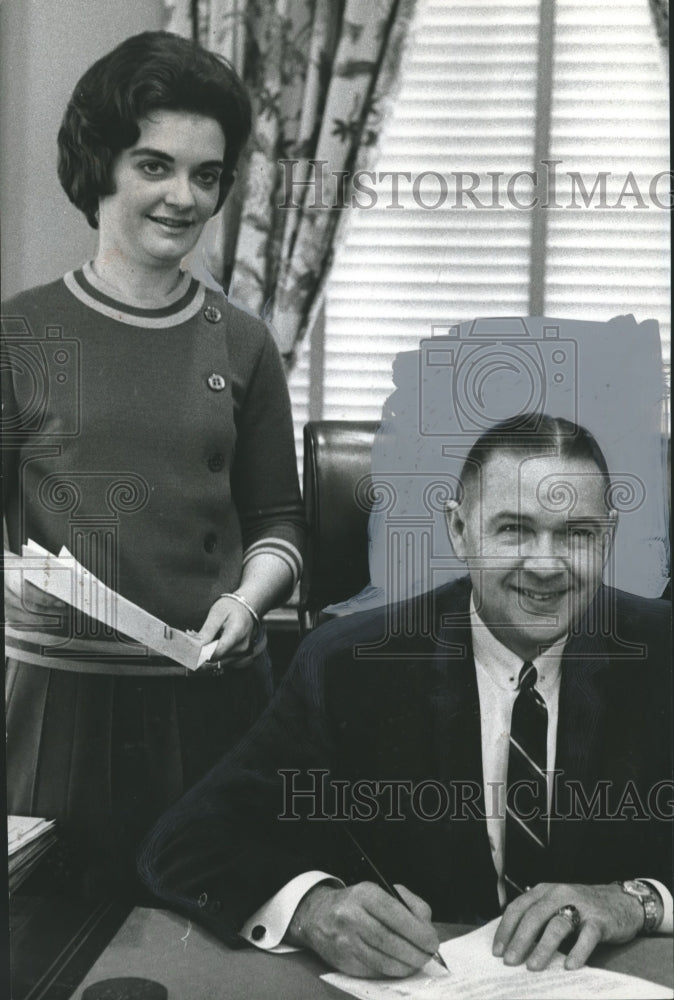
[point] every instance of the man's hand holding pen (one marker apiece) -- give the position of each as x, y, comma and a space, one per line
363, 931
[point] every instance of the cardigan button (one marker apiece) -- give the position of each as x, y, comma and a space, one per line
210, 542
258, 932
216, 382
216, 462
212, 314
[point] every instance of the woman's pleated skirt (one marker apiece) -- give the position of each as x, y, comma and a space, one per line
105, 755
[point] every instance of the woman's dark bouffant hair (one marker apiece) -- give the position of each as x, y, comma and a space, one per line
147, 72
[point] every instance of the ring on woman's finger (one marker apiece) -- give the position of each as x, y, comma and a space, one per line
213, 668
570, 913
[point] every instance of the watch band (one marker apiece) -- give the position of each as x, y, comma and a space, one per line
649, 899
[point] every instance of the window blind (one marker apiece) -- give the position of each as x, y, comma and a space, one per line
609, 117
466, 111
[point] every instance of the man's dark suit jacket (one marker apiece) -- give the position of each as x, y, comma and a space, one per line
375, 697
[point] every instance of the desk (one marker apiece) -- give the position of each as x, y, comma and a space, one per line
55, 938
193, 965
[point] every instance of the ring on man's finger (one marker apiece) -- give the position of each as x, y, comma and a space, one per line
570, 913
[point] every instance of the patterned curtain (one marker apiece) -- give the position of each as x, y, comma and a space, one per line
660, 12
320, 73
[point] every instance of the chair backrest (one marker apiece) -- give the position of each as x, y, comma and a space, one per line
337, 457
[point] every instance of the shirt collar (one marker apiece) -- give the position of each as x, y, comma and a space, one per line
503, 666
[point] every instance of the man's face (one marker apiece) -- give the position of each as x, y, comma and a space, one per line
535, 537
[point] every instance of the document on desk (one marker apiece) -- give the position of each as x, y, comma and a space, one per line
475, 974
29, 838
23, 830
62, 576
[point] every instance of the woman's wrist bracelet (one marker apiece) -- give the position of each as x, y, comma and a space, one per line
249, 608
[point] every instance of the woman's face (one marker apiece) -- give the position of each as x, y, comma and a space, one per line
166, 189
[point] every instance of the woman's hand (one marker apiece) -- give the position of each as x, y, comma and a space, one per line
233, 623
24, 603
265, 581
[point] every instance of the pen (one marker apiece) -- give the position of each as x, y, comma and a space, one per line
387, 887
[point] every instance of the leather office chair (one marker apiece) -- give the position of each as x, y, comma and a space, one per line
337, 506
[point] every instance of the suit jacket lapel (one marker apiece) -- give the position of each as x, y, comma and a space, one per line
455, 705
455, 717
579, 737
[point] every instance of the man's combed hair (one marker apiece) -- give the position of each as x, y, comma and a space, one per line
531, 434
155, 70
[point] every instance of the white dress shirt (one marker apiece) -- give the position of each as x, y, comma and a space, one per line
497, 669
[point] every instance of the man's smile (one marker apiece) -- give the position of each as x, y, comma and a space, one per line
540, 595
542, 599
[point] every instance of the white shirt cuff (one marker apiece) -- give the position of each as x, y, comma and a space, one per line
268, 925
667, 925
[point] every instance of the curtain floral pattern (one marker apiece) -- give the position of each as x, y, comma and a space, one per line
320, 73
660, 12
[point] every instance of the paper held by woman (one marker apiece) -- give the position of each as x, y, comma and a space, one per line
63, 577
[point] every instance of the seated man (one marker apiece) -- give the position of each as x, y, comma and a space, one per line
501, 744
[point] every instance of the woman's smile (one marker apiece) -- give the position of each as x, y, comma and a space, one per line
177, 225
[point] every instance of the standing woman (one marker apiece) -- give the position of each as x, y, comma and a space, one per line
147, 427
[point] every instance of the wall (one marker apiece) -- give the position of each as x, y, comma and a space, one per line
45, 47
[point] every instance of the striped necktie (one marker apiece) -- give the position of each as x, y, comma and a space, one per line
526, 824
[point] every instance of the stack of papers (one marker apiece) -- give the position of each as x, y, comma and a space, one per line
64, 577
474, 973
29, 838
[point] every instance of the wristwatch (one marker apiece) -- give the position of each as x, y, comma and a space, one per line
649, 899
